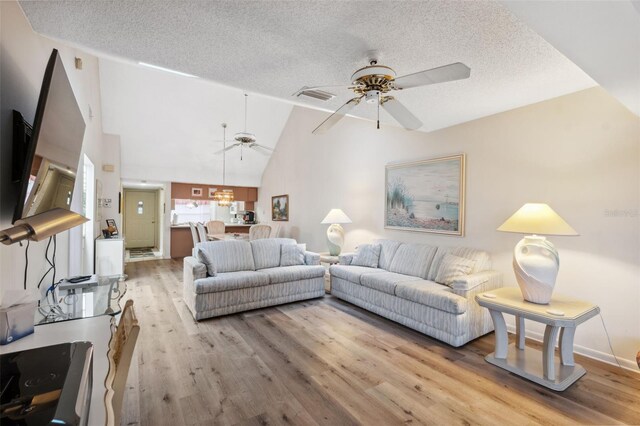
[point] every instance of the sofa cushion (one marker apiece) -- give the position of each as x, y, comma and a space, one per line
385, 281
453, 267
230, 281
413, 259
291, 255
387, 250
367, 255
352, 273
482, 259
266, 251
283, 274
431, 294
204, 258
311, 258
227, 256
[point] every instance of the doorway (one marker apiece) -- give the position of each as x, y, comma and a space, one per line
141, 220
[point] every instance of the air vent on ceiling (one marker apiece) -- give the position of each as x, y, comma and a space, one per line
315, 94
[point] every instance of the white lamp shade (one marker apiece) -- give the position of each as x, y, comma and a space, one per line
336, 216
538, 219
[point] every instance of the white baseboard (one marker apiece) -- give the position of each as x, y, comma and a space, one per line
582, 350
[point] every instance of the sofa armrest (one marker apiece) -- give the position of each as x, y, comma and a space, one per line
345, 258
311, 258
478, 282
193, 269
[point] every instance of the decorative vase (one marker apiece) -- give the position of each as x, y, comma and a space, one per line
335, 239
536, 264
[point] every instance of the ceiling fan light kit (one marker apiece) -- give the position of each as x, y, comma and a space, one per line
373, 82
246, 139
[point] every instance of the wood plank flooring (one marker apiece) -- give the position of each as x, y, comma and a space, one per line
326, 362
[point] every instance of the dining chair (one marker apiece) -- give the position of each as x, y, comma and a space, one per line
257, 232
275, 230
215, 227
202, 232
194, 234
120, 354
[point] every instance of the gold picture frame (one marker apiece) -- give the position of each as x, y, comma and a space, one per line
426, 195
280, 207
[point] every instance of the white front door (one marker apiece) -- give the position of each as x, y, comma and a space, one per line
140, 211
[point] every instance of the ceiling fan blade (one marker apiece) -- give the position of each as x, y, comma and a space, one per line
336, 116
257, 145
451, 72
400, 113
226, 149
260, 149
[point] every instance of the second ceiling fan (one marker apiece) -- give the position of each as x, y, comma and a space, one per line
246, 139
373, 84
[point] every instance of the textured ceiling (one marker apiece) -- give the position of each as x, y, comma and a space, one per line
274, 48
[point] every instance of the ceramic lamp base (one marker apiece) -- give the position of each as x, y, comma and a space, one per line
536, 264
335, 239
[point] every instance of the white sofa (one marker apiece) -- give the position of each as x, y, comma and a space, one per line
243, 275
402, 288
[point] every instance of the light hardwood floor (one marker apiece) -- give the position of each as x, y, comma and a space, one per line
327, 362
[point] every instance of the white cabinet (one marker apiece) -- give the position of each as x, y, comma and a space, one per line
109, 256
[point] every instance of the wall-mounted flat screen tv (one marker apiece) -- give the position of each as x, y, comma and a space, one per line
51, 152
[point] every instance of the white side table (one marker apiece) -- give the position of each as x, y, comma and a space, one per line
561, 317
328, 260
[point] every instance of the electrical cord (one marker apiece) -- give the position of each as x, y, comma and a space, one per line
55, 249
609, 340
46, 257
51, 262
26, 263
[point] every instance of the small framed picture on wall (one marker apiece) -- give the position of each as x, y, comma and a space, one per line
212, 192
280, 207
196, 192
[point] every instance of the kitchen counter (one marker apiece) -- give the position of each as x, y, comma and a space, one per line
182, 242
233, 225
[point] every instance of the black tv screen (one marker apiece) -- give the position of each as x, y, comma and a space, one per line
52, 153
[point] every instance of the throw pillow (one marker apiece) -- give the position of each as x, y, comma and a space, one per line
453, 267
291, 255
204, 257
367, 255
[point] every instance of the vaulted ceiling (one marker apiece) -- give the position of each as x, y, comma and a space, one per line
274, 48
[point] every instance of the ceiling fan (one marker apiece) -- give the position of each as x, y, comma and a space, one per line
245, 139
373, 84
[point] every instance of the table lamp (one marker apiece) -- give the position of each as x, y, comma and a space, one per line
535, 259
335, 233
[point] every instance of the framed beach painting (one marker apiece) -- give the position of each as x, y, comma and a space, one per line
280, 207
426, 195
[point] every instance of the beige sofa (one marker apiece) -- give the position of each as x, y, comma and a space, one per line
248, 275
402, 288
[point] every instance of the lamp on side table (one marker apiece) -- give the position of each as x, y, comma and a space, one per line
335, 233
535, 259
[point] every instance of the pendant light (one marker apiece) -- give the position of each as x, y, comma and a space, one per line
224, 197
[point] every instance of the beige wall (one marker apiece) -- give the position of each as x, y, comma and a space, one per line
580, 153
23, 58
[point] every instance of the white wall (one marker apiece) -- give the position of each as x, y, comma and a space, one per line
187, 114
23, 58
580, 153
111, 180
